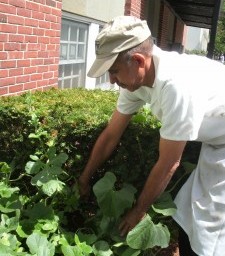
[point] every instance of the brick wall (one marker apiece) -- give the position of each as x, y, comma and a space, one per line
135, 8
29, 45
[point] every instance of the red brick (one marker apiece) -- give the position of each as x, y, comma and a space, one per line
3, 37
13, 19
30, 70
42, 69
44, 24
16, 88
24, 30
8, 28
22, 79
43, 39
24, 12
38, 15
51, 18
7, 81
35, 62
57, 12
48, 75
42, 54
54, 67
4, 73
51, 3
38, 31
31, 22
15, 71
5, 8
15, 55
45, 9
42, 83
30, 85
8, 64
28, 55
32, 6
30, 39
4, 90
33, 47
3, 18
23, 63
16, 38
35, 77
18, 3
12, 46
3, 55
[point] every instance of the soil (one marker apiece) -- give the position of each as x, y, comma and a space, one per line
172, 250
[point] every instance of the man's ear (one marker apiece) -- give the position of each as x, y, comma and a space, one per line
140, 59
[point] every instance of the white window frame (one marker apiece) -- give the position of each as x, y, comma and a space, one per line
81, 75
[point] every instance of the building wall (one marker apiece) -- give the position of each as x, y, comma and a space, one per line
171, 31
95, 9
29, 45
135, 8
197, 39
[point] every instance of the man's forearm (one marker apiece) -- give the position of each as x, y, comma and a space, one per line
156, 183
102, 150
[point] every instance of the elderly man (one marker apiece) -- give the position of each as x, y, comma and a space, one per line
187, 94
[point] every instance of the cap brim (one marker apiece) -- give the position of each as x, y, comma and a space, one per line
101, 65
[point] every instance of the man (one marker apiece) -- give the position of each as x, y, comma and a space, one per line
187, 94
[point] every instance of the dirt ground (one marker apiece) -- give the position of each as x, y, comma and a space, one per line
172, 250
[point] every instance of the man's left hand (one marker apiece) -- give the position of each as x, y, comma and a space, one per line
131, 219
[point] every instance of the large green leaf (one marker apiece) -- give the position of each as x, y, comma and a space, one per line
52, 186
147, 235
101, 248
39, 245
6, 191
112, 202
165, 205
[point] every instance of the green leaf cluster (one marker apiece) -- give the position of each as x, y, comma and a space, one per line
46, 138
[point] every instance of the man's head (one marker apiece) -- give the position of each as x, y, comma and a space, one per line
121, 34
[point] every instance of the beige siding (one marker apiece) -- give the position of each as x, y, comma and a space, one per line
96, 9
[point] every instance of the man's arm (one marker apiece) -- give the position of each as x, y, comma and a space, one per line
103, 148
170, 153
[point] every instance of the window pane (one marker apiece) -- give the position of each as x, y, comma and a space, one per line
73, 33
63, 51
75, 82
60, 84
67, 71
60, 70
72, 69
80, 53
72, 51
76, 69
67, 83
82, 35
64, 32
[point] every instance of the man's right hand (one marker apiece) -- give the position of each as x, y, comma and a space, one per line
84, 188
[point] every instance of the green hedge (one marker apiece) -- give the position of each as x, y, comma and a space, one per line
74, 119
46, 139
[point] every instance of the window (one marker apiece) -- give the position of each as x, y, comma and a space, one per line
102, 80
73, 45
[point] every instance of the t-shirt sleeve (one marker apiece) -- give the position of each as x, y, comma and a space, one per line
128, 103
182, 113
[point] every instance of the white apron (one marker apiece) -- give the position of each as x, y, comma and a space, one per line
201, 201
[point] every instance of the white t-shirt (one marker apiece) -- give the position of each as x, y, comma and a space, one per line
188, 97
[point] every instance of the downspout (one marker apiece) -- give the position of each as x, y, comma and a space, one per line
215, 18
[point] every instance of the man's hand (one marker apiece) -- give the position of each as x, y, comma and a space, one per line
131, 219
84, 187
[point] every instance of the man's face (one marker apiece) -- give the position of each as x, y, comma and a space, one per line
126, 74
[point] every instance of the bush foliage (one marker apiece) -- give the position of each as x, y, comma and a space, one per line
46, 139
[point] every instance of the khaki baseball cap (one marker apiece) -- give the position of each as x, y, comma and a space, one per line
120, 34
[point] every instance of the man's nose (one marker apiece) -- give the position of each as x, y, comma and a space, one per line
112, 79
